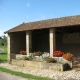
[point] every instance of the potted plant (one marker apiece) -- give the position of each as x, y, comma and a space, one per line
58, 53
68, 56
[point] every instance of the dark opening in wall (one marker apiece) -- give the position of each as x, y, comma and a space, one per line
40, 40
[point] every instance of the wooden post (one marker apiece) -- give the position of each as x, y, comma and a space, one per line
8, 45
27, 42
52, 41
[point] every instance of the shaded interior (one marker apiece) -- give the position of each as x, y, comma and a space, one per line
68, 39
40, 40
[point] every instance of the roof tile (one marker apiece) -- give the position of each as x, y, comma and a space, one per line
57, 22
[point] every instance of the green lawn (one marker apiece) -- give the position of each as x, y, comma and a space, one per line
5, 48
3, 55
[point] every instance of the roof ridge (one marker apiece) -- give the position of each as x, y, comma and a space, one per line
52, 19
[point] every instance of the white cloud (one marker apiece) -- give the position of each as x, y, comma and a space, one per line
28, 5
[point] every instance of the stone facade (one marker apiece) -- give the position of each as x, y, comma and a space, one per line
40, 65
45, 40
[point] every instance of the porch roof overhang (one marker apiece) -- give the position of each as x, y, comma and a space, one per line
49, 23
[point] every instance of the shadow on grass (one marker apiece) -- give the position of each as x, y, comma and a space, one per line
1, 61
3, 53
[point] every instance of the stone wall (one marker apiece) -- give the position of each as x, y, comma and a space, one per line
71, 37
40, 65
68, 44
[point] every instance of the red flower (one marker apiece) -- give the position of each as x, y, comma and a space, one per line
23, 52
58, 53
68, 59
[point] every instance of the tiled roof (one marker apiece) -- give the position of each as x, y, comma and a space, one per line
56, 22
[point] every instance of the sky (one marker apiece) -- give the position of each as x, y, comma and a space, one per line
15, 12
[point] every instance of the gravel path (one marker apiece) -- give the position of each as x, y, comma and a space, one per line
66, 75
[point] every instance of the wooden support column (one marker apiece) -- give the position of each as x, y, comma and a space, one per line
30, 41
27, 42
8, 45
52, 41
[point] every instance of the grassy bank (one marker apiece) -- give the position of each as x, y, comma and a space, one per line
3, 55
24, 75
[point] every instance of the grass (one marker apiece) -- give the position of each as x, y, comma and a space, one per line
3, 55
24, 75
5, 48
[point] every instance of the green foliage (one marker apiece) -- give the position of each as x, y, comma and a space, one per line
26, 58
30, 76
31, 56
3, 41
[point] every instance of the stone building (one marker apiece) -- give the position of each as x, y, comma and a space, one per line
46, 36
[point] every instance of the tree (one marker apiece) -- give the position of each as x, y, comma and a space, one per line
3, 40
0, 37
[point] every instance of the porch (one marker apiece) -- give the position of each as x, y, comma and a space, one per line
45, 40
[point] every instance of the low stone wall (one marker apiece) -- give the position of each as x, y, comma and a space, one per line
20, 56
40, 65
63, 61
